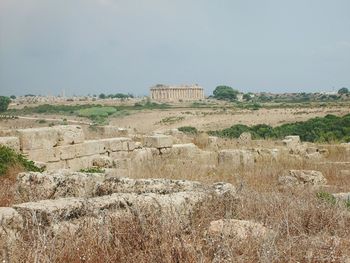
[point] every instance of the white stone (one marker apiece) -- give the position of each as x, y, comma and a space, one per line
158, 141
302, 177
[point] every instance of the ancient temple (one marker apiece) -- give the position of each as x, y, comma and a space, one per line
177, 93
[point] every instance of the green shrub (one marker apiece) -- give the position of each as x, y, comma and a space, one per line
326, 129
327, 197
4, 103
172, 119
188, 130
92, 170
96, 111
9, 158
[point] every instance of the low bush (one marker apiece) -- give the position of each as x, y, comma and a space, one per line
9, 158
92, 170
188, 129
321, 129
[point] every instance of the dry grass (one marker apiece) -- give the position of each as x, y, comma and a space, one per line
304, 228
8, 185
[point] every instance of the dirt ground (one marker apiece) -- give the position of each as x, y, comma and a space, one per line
204, 119
214, 119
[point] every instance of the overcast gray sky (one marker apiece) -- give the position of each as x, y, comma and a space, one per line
110, 46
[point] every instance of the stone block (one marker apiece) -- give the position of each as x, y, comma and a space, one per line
38, 138
69, 134
11, 142
158, 141
185, 150
52, 166
44, 155
236, 158
116, 144
81, 162
302, 177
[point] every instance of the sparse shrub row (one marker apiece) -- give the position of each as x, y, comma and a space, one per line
320, 129
92, 170
9, 158
188, 129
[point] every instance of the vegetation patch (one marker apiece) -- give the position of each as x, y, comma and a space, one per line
9, 158
172, 119
320, 129
92, 170
188, 129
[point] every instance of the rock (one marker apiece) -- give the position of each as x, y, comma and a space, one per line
245, 138
237, 229
159, 186
38, 138
11, 142
342, 196
47, 212
10, 220
102, 162
302, 177
49, 137
32, 186
158, 141
69, 134
236, 158
311, 150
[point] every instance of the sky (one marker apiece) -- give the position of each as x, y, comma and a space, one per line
111, 46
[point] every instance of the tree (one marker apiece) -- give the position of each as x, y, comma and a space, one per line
247, 97
13, 97
225, 93
4, 103
343, 90
102, 96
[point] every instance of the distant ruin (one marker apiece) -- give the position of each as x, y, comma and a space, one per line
176, 93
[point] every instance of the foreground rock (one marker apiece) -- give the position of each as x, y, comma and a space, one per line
236, 229
302, 177
72, 199
224, 234
32, 186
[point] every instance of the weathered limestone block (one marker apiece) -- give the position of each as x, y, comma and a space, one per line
265, 154
31, 186
237, 158
140, 156
44, 155
293, 144
302, 177
122, 163
245, 138
158, 141
236, 229
184, 150
48, 137
52, 166
159, 186
37, 138
213, 143
10, 221
342, 197
46, 212
102, 162
112, 131
91, 147
69, 134
11, 142
116, 144
81, 162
